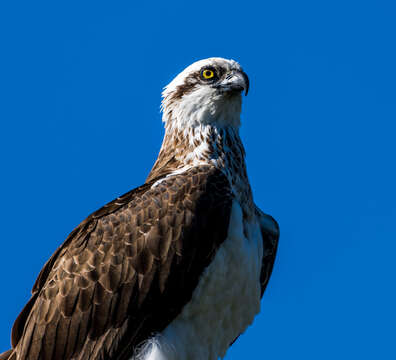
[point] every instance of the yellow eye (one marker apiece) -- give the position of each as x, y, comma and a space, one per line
208, 74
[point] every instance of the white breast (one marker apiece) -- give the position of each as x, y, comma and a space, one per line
224, 303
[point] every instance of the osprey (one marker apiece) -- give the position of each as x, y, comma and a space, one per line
174, 269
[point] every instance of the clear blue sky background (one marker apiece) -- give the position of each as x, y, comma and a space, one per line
80, 124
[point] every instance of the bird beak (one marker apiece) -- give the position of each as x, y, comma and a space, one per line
235, 81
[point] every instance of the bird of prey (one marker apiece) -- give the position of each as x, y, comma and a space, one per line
174, 269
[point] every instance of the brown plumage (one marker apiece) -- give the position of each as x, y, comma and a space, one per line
113, 282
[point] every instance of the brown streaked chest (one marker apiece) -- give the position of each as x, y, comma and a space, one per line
203, 145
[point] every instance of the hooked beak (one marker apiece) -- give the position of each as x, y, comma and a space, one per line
235, 81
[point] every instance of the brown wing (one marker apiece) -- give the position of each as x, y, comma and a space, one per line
270, 233
126, 271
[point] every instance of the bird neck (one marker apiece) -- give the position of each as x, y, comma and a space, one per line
204, 145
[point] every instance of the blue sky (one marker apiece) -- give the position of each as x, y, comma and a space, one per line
80, 91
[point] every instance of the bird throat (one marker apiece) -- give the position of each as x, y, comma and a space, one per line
204, 144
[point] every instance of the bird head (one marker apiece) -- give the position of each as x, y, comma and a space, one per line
206, 92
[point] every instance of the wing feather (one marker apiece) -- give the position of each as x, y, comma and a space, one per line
270, 234
126, 271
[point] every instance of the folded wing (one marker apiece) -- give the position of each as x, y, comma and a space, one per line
126, 271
